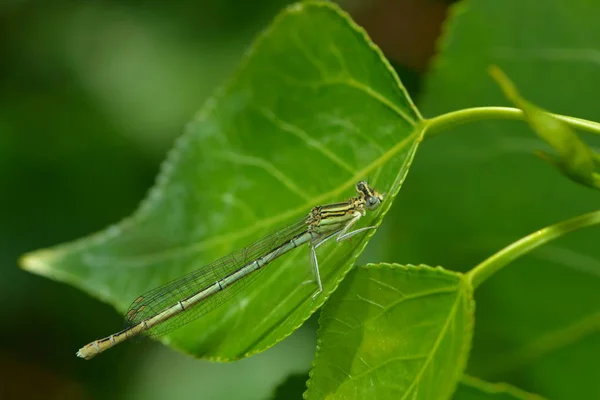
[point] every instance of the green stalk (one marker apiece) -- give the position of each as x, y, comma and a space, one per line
436, 125
527, 244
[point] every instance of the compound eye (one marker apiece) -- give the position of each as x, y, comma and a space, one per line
372, 202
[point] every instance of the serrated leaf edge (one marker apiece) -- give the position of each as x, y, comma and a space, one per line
463, 284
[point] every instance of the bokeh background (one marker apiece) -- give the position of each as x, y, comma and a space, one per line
92, 96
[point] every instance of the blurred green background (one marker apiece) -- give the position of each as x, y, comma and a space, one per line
94, 93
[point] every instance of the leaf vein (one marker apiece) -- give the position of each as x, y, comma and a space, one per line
383, 364
386, 285
435, 346
216, 240
309, 140
369, 301
268, 167
351, 82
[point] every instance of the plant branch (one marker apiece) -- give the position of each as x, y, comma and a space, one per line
446, 121
527, 244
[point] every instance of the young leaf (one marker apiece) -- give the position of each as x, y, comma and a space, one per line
394, 332
314, 108
471, 388
575, 159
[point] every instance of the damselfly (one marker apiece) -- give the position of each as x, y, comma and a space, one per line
176, 303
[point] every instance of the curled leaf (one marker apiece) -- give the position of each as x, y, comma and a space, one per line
574, 157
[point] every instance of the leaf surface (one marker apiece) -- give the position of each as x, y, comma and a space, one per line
393, 332
313, 109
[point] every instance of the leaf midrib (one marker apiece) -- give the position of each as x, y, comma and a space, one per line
437, 343
229, 237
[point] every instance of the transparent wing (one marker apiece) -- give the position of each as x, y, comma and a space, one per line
163, 297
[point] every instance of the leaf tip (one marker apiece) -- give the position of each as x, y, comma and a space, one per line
506, 85
37, 261
575, 159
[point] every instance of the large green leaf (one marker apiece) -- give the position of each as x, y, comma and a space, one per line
471, 388
478, 188
313, 109
393, 332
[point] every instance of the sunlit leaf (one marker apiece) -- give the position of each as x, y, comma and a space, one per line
393, 332
313, 109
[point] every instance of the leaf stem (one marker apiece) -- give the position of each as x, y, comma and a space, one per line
449, 120
530, 242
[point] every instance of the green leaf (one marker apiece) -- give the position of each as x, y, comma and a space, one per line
477, 188
471, 388
575, 159
313, 109
393, 332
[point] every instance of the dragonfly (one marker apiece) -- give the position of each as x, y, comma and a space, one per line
185, 299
